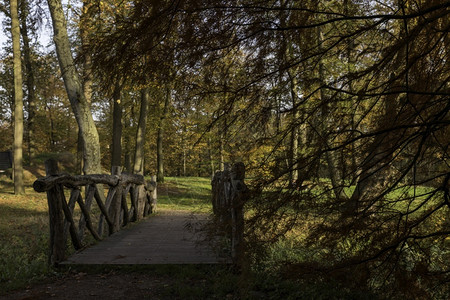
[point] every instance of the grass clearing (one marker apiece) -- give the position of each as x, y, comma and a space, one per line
24, 236
185, 193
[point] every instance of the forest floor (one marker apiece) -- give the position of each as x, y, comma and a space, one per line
176, 282
24, 272
24, 246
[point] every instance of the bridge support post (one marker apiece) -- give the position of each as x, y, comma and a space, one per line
228, 197
114, 209
56, 218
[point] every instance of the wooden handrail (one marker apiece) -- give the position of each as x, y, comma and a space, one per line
114, 209
70, 181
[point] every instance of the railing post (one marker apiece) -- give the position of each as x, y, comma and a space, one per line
56, 218
228, 196
61, 219
114, 209
239, 189
154, 192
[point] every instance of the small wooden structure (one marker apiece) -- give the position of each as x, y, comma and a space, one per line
169, 237
117, 209
6, 160
228, 197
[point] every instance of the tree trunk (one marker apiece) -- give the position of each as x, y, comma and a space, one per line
295, 131
333, 172
85, 26
127, 144
18, 101
288, 53
86, 79
375, 168
116, 155
222, 147
30, 82
211, 161
78, 101
350, 49
159, 140
140, 134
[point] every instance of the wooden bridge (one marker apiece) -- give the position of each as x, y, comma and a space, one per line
167, 237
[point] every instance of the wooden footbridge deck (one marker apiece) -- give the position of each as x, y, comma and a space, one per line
169, 237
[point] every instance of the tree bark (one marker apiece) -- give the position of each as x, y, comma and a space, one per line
72, 82
333, 172
127, 144
30, 82
18, 101
222, 133
159, 140
211, 160
116, 155
86, 78
140, 134
295, 130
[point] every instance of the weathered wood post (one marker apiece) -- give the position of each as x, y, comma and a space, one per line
153, 194
238, 191
56, 218
228, 197
115, 207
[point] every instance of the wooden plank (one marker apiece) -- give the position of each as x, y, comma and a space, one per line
160, 239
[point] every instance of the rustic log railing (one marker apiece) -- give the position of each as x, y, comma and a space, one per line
117, 210
228, 196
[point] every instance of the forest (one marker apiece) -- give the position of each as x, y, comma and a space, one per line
339, 109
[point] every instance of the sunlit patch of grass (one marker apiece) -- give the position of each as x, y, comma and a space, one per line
185, 193
24, 237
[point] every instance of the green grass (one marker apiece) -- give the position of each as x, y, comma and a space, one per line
24, 236
185, 193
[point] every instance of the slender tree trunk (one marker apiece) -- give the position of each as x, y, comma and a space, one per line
184, 154
159, 139
350, 48
30, 82
140, 134
18, 101
127, 141
222, 137
116, 155
184, 162
211, 161
72, 82
333, 172
221, 150
287, 53
375, 168
52, 141
295, 131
